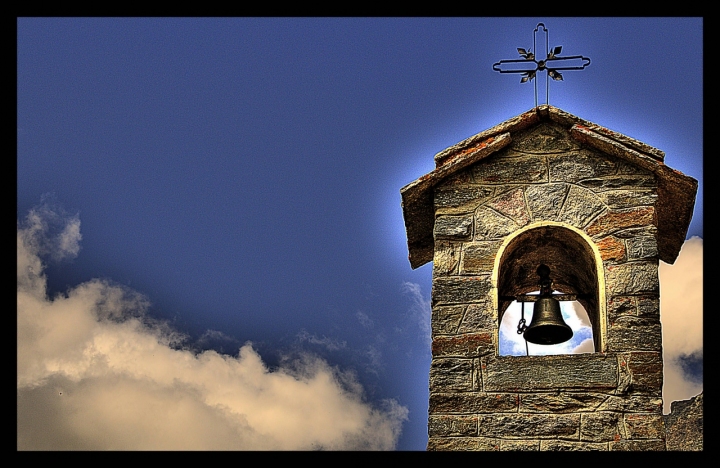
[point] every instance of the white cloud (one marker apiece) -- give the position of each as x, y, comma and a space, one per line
95, 373
681, 314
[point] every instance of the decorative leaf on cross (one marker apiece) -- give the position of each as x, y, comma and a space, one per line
528, 66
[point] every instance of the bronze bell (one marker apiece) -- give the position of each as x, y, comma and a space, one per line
547, 326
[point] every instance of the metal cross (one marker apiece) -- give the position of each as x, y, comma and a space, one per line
529, 66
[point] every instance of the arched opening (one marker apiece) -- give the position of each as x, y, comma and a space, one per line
576, 270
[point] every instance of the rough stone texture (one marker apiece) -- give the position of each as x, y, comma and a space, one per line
561, 402
519, 445
447, 258
477, 317
602, 427
567, 446
446, 320
613, 221
581, 206
451, 375
528, 187
452, 425
642, 247
473, 403
633, 279
544, 201
624, 199
508, 169
684, 425
612, 249
656, 445
644, 426
478, 257
512, 205
530, 373
634, 333
631, 404
463, 444
646, 371
464, 289
490, 224
453, 227
466, 345
452, 196
525, 426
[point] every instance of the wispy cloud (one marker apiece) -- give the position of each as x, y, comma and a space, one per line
681, 314
331, 344
364, 319
95, 373
420, 309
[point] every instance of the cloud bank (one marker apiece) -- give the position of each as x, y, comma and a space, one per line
94, 372
681, 314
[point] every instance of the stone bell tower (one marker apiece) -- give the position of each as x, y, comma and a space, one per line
600, 210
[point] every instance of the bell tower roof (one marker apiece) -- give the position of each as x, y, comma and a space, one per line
676, 191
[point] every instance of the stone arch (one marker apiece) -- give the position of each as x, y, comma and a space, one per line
574, 261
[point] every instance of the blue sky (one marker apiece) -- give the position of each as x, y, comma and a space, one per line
233, 183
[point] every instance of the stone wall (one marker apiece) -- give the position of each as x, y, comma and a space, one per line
609, 400
684, 425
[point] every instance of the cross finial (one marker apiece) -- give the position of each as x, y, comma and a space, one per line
529, 65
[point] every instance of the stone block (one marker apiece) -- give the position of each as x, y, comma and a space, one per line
613, 221
544, 139
644, 426
453, 227
451, 375
633, 232
561, 402
458, 444
657, 445
632, 404
634, 334
621, 307
529, 426
623, 199
568, 446
461, 196
642, 247
501, 169
581, 206
452, 425
602, 427
478, 258
446, 258
460, 290
576, 166
466, 345
646, 370
512, 205
473, 402
446, 319
632, 279
537, 373
519, 445
544, 201
648, 306
684, 425
612, 249
478, 318
627, 181
489, 224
